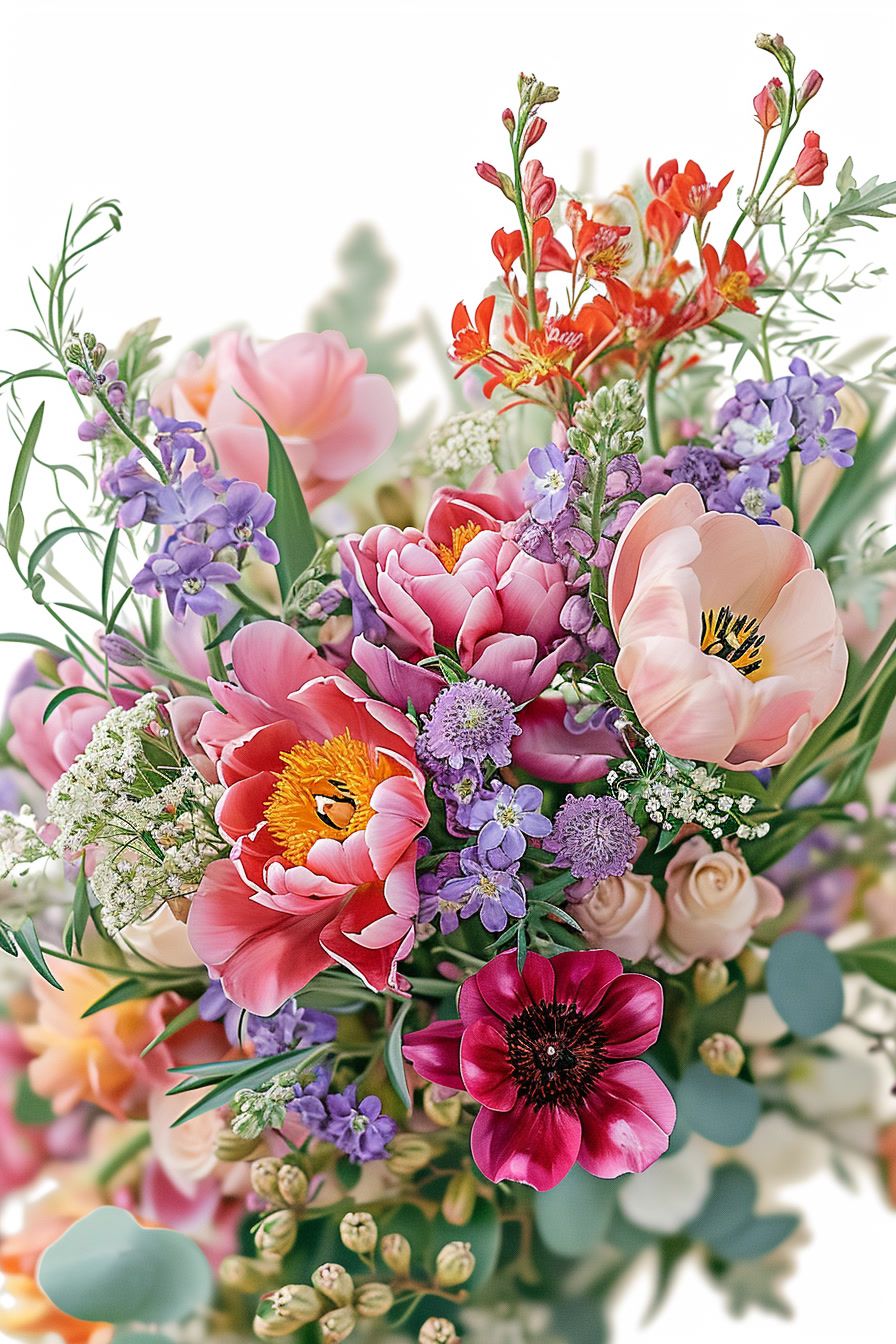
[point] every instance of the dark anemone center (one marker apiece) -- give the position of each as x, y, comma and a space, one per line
555, 1054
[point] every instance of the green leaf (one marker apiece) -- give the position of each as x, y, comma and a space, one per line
29, 943
803, 979
758, 1237
65, 694
36, 640
394, 1059
109, 569
47, 544
877, 960
262, 1071
574, 1216
15, 517
723, 1110
183, 1019
106, 1267
80, 907
728, 1207
290, 526
29, 1108
123, 992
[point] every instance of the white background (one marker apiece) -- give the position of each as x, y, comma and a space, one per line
244, 140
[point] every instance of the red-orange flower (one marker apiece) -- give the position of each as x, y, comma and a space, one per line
508, 248
690, 192
663, 224
809, 168
766, 108
661, 180
472, 342
729, 281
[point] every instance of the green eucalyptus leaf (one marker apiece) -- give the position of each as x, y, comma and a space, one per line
723, 1110
574, 1217
394, 1060
803, 978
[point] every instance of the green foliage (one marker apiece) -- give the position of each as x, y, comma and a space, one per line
575, 1215
877, 960
723, 1110
290, 526
727, 1223
393, 1058
804, 981
106, 1267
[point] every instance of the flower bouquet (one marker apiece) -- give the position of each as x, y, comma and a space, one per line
414, 920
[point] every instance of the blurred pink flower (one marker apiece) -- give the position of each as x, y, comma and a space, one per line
334, 418
730, 646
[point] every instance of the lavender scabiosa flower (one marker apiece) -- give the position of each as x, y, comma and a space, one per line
548, 487
175, 439
593, 837
290, 1028
470, 721
359, 1128
488, 886
506, 819
239, 517
185, 574
703, 469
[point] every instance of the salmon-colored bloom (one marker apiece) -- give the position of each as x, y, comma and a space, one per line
690, 192
730, 646
765, 107
728, 281
472, 341
809, 169
663, 224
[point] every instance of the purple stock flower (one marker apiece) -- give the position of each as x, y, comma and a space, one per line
292, 1027
836, 444
175, 439
762, 436
488, 886
504, 819
359, 1128
623, 476
547, 488
185, 574
308, 1103
239, 517
469, 722
593, 837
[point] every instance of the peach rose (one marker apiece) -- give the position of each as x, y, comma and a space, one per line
713, 902
334, 418
621, 914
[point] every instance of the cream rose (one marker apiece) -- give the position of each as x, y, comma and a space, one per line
713, 902
621, 914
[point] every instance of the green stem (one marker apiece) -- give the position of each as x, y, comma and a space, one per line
653, 424
515, 141
215, 658
122, 1156
788, 124
126, 430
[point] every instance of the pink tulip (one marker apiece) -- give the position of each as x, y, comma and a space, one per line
462, 584
730, 646
334, 418
323, 804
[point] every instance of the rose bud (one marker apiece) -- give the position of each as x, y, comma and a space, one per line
710, 981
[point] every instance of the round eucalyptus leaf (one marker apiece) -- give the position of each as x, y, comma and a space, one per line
723, 1110
728, 1207
575, 1216
106, 1267
803, 979
757, 1237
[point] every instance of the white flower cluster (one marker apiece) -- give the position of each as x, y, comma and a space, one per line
676, 793
20, 845
149, 814
462, 444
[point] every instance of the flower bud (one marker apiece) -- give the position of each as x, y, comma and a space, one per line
438, 1330
294, 1302
230, 1147
533, 133
776, 46
765, 104
459, 1198
120, 650
358, 1233
335, 1283
509, 120
276, 1233
337, 1325
292, 1185
722, 1055
489, 173
247, 1274
455, 1263
440, 1107
751, 966
408, 1153
396, 1252
710, 981
263, 1175
373, 1299
808, 89
46, 665
88, 340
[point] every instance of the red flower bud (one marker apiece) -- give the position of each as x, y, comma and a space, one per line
533, 133
766, 108
539, 191
808, 170
508, 119
489, 173
808, 89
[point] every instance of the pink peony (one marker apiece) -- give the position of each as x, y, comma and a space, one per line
460, 584
323, 804
334, 418
548, 1055
730, 647
48, 749
713, 902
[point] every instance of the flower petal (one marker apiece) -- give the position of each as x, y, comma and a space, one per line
485, 1066
536, 1147
627, 1120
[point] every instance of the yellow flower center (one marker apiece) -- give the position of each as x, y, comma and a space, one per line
324, 792
450, 554
734, 637
735, 287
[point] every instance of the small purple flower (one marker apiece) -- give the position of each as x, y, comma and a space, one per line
214, 1006
79, 380
239, 517
562, 541
762, 436
489, 887
366, 620
504, 819
701, 468
175, 439
433, 904
623, 476
547, 488
309, 1100
359, 1128
470, 722
838, 445
185, 574
144, 498
291, 1028
90, 431
747, 492
594, 837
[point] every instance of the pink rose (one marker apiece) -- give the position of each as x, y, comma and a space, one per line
730, 646
713, 902
334, 418
621, 914
460, 584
